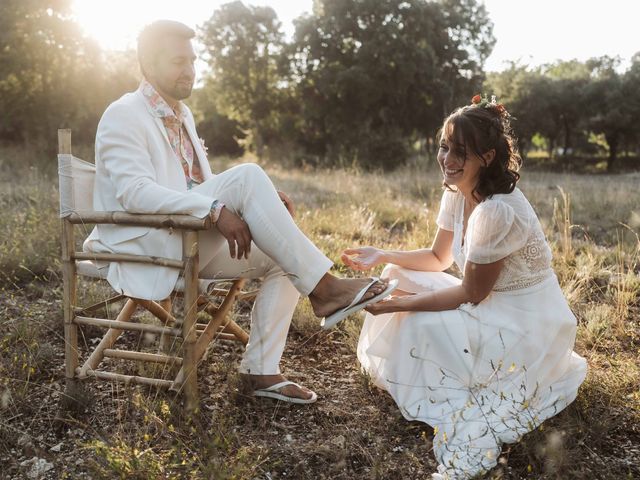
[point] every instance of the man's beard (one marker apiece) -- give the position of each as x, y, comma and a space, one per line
181, 90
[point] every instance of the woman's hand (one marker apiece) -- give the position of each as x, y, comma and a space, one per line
390, 305
363, 258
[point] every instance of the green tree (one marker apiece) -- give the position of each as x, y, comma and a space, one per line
631, 81
243, 47
221, 134
525, 94
548, 100
39, 44
610, 113
371, 75
52, 76
570, 80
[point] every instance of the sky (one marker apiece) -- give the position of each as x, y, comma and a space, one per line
532, 32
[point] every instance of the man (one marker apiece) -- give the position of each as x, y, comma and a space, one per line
149, 160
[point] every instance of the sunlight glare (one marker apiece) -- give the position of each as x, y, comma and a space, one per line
533, 32
115, 24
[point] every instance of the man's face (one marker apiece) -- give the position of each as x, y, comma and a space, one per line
172, 72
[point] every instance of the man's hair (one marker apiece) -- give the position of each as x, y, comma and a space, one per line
149, 40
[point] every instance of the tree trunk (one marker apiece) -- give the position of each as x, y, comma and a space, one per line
551, 148
567, 138
258, 140
612, 141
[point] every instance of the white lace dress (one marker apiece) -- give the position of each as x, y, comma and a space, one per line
481, 375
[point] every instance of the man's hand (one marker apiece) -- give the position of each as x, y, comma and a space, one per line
287, 203
237, 233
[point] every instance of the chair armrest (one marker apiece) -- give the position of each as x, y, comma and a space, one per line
184, 222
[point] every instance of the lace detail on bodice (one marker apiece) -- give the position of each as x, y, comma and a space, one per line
528, 261
529, 265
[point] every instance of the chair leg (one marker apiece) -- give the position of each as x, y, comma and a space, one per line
69, 301
189, 384
108, 340
167, 341
210, 331
237, 331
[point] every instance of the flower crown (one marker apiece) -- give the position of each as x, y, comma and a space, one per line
483, 101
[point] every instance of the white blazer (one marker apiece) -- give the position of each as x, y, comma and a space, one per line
137, 171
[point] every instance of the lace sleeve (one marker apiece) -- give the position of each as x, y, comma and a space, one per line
494, 232
446, 215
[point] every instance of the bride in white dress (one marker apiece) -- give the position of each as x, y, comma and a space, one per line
488, 358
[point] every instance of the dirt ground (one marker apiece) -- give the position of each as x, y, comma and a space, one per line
354, 431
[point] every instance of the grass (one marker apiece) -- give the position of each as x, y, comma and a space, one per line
354, 431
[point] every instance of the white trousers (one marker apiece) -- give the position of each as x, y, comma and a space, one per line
281, 255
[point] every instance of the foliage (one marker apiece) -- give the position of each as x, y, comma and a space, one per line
243, 47
610, 98
363, 82
358, 82
51, 76
137, 453
222, 135
568, 103
371, 74
27, 207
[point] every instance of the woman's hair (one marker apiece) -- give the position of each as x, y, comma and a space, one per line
481, 127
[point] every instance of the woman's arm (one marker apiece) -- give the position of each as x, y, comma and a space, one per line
434, 259
478, 281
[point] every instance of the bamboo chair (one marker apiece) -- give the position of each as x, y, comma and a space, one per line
76, 188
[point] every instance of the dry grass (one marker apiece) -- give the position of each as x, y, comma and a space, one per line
354, 431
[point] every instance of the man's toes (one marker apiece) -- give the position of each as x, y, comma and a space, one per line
297, 392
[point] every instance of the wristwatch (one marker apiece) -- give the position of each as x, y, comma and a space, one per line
216, 208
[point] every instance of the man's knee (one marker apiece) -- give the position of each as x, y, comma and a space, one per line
251, 171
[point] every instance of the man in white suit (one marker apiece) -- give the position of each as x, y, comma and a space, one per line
149, 160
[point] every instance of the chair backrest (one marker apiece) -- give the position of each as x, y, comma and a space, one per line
76, 178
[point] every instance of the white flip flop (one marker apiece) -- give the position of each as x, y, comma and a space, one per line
272, 392
357, 304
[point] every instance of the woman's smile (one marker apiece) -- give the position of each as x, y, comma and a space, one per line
452, 172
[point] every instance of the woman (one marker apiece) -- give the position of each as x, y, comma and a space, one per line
485, 359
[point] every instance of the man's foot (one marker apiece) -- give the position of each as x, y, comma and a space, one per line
332, 293
293, 391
